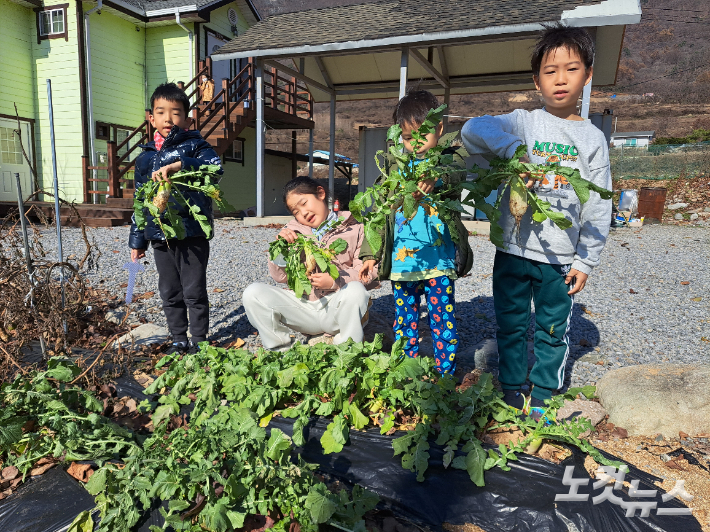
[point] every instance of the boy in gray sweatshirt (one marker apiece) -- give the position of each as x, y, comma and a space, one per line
546, 264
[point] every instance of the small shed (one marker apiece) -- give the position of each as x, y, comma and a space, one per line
632, 139
371, 50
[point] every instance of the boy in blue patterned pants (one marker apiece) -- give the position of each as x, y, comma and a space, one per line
419, 255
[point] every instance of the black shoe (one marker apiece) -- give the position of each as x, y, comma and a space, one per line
178, 348
193, 349
515, 400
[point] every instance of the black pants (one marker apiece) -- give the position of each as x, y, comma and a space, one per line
182, 280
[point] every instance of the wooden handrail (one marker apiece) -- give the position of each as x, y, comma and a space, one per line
139, 128
284, 93
128, 152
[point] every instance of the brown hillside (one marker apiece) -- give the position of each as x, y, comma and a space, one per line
667, 54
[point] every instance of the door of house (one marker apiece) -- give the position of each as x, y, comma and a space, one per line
12, 161
220, 69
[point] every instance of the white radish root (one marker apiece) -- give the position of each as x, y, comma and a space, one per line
518, 203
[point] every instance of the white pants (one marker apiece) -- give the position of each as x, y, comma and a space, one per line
275, 312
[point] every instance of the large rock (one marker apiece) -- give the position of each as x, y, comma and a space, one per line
118, 316
146, 334
666, 398
592, 410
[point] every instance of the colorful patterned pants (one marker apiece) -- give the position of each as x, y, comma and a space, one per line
440, 303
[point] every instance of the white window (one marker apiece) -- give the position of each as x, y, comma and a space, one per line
10, 149
51, 22
235, 152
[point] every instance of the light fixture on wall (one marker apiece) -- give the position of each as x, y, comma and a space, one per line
233, 20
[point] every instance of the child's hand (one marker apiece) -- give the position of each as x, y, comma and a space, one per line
529, 176
322, 281
137, 254
580, 279
289, 235
368, 268
163, 173
425, 187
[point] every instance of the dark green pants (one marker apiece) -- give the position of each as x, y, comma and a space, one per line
517, 281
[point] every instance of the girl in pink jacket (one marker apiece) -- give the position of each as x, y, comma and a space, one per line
336, 307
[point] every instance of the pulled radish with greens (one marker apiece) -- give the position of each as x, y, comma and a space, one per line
156, 195
514, 173
304, 257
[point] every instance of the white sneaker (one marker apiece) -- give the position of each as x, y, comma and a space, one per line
320, 339
285, 347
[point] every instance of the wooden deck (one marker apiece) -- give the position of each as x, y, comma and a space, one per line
117, 212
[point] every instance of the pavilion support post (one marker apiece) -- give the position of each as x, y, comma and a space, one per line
403, 68
294, 152
447, 100
586, 98
260, 139
310, 153
331, 158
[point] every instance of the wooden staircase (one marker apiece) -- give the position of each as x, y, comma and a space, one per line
287, 105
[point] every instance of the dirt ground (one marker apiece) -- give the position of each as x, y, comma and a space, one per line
685, 464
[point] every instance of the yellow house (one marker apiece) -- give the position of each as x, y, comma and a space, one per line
104, 58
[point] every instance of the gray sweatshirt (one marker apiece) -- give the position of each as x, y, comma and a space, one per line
550, 139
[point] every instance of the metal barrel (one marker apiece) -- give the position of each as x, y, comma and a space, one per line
652, 201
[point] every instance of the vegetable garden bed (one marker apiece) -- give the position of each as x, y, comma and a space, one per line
251, 446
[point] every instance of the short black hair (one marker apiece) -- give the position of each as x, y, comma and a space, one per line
560, 36
171, 93
414, 106
303, 185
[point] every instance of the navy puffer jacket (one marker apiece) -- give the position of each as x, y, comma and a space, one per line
193, 151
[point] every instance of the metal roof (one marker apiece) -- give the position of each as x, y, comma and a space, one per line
387, 19
146, 10
620, 134
474, 45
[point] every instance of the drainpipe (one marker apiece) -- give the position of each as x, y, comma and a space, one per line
90, 105
192, 48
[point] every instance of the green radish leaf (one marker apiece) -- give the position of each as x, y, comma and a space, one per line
277, 444
97, 482
475, 460
329, 444
82, 523
589, 391
320, 504
357, 418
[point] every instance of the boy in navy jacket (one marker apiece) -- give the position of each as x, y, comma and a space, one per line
181, 264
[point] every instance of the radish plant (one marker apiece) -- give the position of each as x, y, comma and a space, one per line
402, 171
304, 257
155, 196
513, 174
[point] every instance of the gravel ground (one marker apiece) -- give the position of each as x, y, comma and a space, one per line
648, 301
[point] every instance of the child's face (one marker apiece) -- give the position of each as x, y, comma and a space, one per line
561, 80
167, 114
308, 209
431, 139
